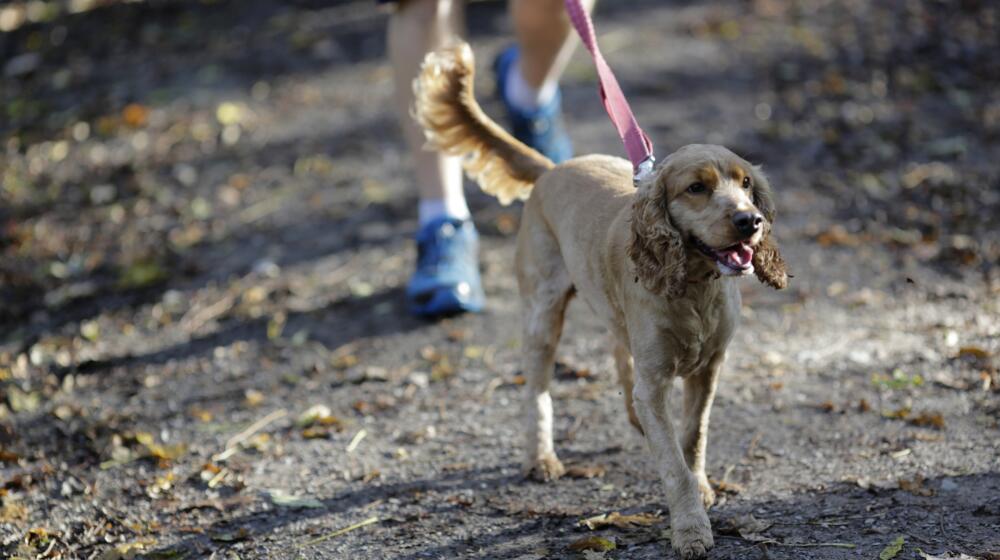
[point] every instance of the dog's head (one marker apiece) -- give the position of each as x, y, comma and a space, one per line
704, 202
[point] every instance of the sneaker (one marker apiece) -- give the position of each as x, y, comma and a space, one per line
543, 128
446, 281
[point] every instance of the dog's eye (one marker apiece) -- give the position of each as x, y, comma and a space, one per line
746, 182
696, 188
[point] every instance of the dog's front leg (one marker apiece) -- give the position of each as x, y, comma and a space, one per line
699, 392
691, 533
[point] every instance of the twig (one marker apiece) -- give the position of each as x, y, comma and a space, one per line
814, 545
356, 440
232, 446
343, 531
753, 445
193, 321
800, 545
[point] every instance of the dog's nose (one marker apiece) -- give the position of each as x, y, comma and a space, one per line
747, 223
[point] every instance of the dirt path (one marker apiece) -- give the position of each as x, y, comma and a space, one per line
205, 229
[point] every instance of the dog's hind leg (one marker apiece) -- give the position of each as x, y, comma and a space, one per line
624, 364
545, 292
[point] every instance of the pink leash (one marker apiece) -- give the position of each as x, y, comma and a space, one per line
637, 144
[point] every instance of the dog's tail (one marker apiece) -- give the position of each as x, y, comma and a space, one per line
455, 124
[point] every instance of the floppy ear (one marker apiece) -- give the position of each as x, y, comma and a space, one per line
768, 264
655, 246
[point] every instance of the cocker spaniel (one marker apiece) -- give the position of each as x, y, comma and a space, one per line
656, 263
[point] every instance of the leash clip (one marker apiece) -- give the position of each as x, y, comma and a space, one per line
644, 169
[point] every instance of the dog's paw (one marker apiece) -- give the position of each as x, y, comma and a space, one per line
706, 491
544, 469
692, 541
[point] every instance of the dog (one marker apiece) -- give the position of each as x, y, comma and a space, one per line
655, 261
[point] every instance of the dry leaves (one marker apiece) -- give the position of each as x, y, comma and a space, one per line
620, 521
282, 498
915, 486
592, 543
892, 549
928, 420
127, 551
747, 527
585, 471
975, 352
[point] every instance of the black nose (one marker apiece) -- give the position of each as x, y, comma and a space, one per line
747, 223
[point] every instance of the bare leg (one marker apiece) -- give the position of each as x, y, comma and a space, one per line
699, 392
415, 29
545, 37
691, 533
624, 365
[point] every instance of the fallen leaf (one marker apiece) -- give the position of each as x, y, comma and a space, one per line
316, 432
928, 420
316, 414
164, 454
253, 398
473, 352
284, 499
747, 527
240, 534
915, 486
973, 351
200, 414
592, 542
141, 274
890, 551
955, 556
135, 115
726, 486
126, 551
585, 471
12, 510
620, 521
899, 414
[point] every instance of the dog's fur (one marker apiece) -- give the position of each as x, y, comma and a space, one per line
630, 254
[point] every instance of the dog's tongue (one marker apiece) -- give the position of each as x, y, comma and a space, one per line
738, 256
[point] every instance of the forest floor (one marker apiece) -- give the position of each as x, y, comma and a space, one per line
206, 224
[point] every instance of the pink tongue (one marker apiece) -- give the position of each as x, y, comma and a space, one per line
740, 256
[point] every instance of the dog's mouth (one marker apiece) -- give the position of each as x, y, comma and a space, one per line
734, 260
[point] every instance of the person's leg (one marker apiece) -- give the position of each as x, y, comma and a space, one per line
447, 279
416, 28
546, 40
528, 74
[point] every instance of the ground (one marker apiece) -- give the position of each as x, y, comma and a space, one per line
205, 229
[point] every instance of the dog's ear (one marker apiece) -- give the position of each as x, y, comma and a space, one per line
655, 246
768, 264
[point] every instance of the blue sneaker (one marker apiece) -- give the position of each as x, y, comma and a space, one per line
542, 129
447, 278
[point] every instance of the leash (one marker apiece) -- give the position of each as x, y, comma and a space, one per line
637, 145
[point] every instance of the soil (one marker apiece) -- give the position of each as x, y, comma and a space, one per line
206, 225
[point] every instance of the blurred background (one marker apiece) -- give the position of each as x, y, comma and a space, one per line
206, 217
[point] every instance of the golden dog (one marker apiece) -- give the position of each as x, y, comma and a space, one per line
657, 264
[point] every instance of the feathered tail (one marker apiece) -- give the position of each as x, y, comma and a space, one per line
455, 124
